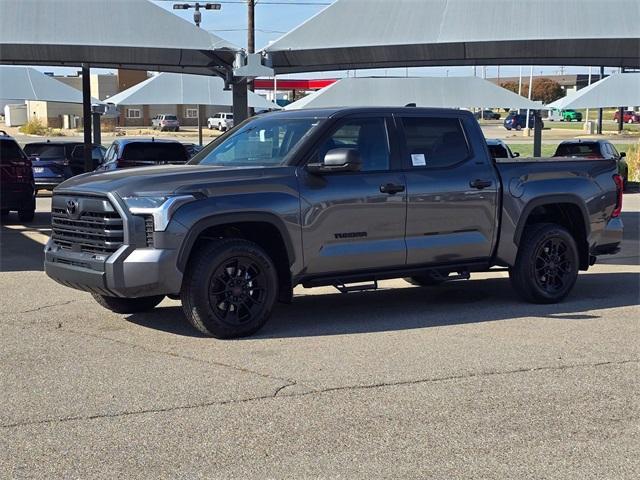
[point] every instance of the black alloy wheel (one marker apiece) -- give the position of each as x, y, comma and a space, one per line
553, 266
237, 291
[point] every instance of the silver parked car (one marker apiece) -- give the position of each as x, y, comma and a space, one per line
165, 122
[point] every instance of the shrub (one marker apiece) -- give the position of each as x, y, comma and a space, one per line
33, 127
633, 160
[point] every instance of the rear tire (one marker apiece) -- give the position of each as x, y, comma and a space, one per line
128, 305
229, 288
546, 267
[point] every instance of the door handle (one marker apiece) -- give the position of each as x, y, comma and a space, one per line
391, 188
480, 184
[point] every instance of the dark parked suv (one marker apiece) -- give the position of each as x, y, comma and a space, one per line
17, 190
330, 197
55, 162
128, 153
518, 121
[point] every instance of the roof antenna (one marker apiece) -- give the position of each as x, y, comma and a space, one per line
153, 139
410, 105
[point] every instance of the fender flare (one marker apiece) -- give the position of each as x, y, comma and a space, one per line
551, 199
224, 218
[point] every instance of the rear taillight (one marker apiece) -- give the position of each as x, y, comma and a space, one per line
619, 189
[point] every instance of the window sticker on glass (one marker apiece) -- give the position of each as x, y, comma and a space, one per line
418, 160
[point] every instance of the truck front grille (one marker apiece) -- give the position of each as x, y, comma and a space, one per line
148, 230
86, 224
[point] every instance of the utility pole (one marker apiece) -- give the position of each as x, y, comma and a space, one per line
251, 26
251, 38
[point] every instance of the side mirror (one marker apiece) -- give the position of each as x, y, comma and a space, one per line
516, 154
623, 154
338, 160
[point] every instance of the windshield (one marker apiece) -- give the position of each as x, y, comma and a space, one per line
44, 150
591, 150
498, 151
262, 142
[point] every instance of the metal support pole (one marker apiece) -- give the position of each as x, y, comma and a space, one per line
621, 113
240, 101
600, 110
537, 134
201, 115
86, 116
97, 134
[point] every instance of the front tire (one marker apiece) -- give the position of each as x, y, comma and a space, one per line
546, 267
229, 288
128, 305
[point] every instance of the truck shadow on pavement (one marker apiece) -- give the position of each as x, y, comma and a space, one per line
21, 247
394, 309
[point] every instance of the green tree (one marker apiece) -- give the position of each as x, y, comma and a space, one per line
544, 89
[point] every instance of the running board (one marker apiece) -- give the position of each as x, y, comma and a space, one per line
342, 288
459, 276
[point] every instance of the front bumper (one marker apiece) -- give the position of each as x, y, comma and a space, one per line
128, 272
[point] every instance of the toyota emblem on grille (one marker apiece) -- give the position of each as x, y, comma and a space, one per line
72, 207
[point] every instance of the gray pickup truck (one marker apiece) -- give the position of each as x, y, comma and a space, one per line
342, 197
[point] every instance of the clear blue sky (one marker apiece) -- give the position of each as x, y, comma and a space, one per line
273, 20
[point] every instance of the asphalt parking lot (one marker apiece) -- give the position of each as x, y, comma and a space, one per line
457, 381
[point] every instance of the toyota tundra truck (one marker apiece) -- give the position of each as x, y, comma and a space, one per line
343, 197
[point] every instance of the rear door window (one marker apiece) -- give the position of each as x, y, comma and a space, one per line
434, 142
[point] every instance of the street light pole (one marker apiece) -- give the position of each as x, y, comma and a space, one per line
197, 19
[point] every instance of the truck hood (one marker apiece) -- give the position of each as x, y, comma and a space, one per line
165, 179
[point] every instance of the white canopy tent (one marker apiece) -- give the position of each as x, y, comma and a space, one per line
24, 83
443, 92
175, 88
359, 34
133, 34
614, 91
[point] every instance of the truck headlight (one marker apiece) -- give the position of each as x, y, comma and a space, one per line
161, 208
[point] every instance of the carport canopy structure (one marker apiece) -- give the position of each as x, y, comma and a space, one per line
443, 92
25, 83
132, 34
360, 34
135, 34
613, 91
175, 88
